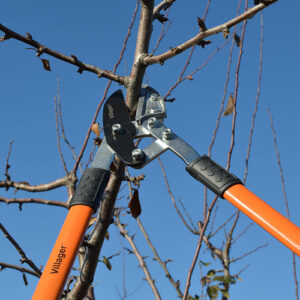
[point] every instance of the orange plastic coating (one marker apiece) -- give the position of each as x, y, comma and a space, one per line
63, 254
265, 216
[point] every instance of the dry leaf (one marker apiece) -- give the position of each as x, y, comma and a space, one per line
230, 106
237, 40
189, 77
134, 204
46, 64
201, 24
95, 129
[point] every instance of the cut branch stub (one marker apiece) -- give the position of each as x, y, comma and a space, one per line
225, 32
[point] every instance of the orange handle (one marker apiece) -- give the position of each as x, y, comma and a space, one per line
265, 216
62, 257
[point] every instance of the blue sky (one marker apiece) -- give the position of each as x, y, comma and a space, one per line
94, 32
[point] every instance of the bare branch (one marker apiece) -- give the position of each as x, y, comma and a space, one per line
142, 262
58, 136
284, 197
4, 265
157, 258
62, 128
41, 49
202, 35
7, 164
173, 200
162, 34
191, 270
25, 186
106, 90
24, 259
190, 75
22, 201
248, 253
256, 100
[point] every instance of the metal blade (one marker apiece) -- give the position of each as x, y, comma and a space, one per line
118, 128
104, 156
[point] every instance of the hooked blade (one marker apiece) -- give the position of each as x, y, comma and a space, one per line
118, 128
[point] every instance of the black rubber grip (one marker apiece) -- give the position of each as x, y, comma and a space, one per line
212, 175
91, 188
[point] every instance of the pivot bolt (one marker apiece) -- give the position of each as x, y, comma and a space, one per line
152, 122
116, 129
167, 133
137, 154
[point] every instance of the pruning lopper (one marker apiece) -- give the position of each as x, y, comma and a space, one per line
120, 133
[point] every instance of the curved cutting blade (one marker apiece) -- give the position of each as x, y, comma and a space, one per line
118, 128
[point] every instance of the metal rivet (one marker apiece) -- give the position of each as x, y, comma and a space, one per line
137, 154
152, 122
167, 133
116, 129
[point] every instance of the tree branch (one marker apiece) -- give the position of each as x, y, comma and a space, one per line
142, 45
24, 259
157, 258
25, 186
4, 265
148, 60
41, 49
139, 257
22, 201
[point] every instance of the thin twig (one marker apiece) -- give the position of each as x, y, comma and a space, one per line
214, 136
140, 258
241, 233
41, 49
203, 34
106, 89
284, 197
202, 231
58, 136
248, 253
22, 201
159, 260
62, 128
25, 186
162, 34
257, 98
7, 166
180, 78
4, 265
173, 200
24, 259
